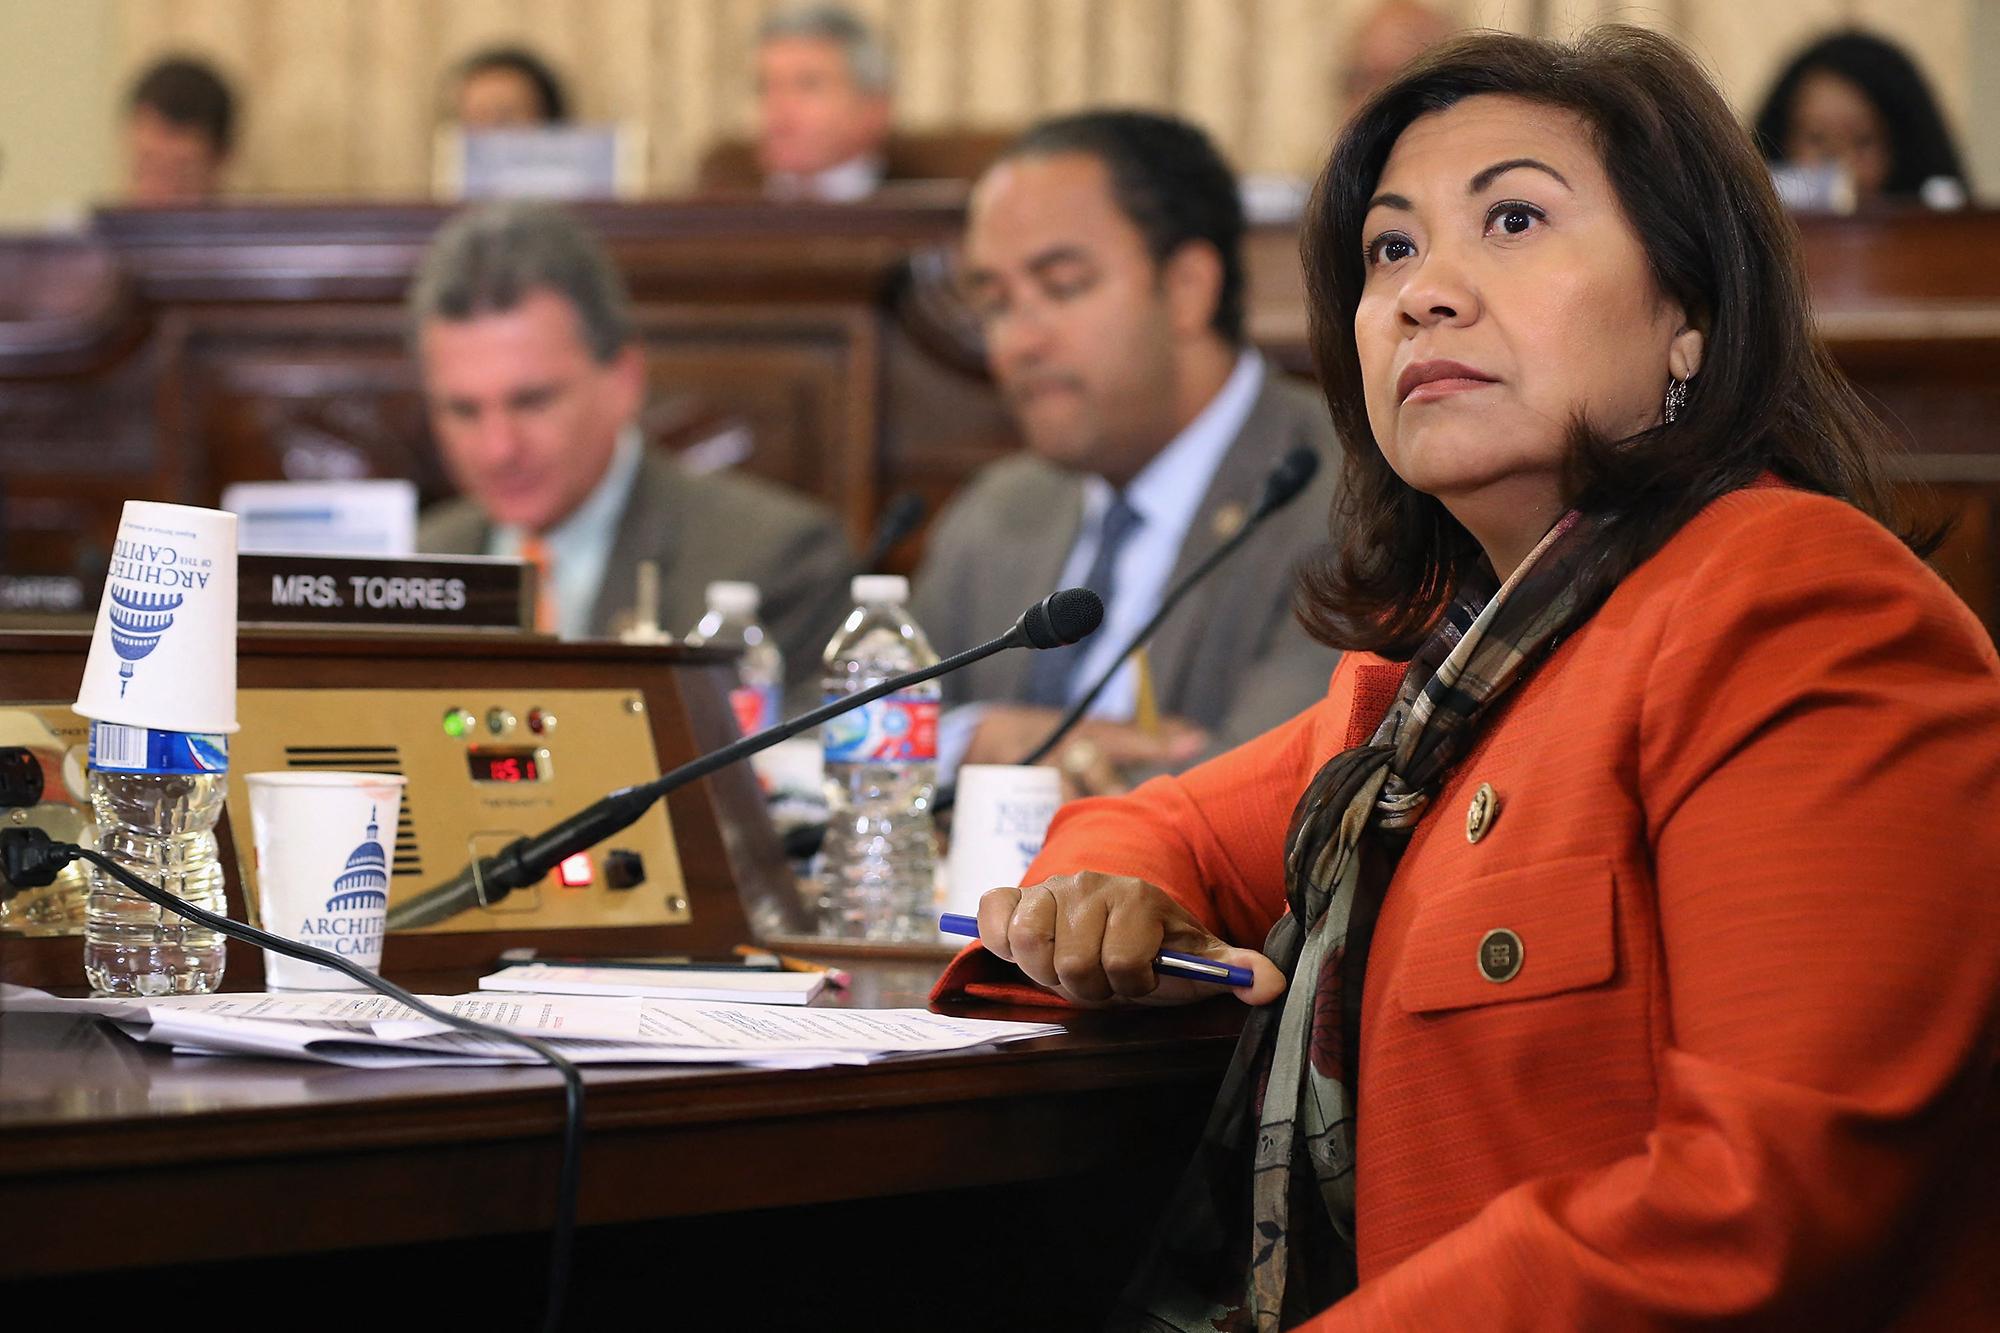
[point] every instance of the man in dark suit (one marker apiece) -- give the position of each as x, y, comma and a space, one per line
1103, 258
534, 382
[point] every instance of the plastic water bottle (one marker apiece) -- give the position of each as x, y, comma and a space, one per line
731, 622
156, 796
878, 863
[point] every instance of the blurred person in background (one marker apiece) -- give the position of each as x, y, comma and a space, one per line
180, 126
508, 88
1389, 37
1857, 102
823, 105
1104, 262
534, 378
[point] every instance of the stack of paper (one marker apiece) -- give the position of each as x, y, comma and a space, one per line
740, 984
370, 1031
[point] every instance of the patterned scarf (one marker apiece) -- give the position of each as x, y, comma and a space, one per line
1294, 1067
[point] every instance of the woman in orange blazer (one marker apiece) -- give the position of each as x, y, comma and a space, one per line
1630, 945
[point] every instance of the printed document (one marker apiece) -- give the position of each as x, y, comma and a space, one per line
357, 1028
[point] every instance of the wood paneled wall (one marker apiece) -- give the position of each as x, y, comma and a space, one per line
341, 97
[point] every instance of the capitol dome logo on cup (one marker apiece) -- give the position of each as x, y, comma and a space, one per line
163, 654
322, 868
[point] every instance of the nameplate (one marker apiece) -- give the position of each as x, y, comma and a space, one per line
415, 592
552, 162
46, 594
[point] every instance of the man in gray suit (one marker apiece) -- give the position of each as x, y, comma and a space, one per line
1103, 258
534, 382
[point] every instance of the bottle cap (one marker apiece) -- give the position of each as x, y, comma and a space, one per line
733, 599
879, 588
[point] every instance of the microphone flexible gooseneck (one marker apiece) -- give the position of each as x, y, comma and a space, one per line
1060, 618
1282, 485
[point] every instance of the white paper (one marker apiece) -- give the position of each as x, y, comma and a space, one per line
189, 1035
540, 162
351, 1008
736, 984
370, 517
373, 1031
712, 1025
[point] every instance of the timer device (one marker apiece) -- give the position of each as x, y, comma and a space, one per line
500, 736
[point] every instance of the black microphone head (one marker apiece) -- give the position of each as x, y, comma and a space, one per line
1061, 618
902, 515
1288, 478
899, 519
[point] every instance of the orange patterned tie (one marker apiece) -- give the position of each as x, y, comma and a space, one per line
536, 553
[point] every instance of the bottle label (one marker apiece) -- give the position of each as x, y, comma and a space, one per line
755, 706
115, 748
894, 730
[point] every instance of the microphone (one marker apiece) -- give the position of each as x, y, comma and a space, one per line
1292, 474
1060, 618
1282, 485
899, 519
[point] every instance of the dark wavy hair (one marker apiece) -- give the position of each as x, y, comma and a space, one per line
188, 93
520, 60
1920, 146
1768, 397
1169, 179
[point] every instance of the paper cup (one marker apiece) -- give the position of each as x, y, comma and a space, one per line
997, 826
323, 841
793, 772
164, 651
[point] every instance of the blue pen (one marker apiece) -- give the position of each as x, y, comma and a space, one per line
1167, 962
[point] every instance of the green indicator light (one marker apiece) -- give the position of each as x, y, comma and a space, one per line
455, 721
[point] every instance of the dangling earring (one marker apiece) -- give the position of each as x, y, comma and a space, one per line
1677, 396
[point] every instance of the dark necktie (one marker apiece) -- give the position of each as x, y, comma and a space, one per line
1049, 677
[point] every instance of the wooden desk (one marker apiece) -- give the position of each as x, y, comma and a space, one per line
121, 1166
113, 1154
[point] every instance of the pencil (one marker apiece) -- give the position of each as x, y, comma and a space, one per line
1146, 706
786, 963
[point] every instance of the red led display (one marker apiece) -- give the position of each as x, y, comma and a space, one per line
504, 765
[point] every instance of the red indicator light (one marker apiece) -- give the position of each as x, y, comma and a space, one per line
575, 871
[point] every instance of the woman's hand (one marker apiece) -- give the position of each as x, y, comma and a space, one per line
1091, 939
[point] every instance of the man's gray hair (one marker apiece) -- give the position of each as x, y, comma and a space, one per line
492, 257
868, 62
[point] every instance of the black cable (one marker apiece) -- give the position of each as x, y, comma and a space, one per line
55, 855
